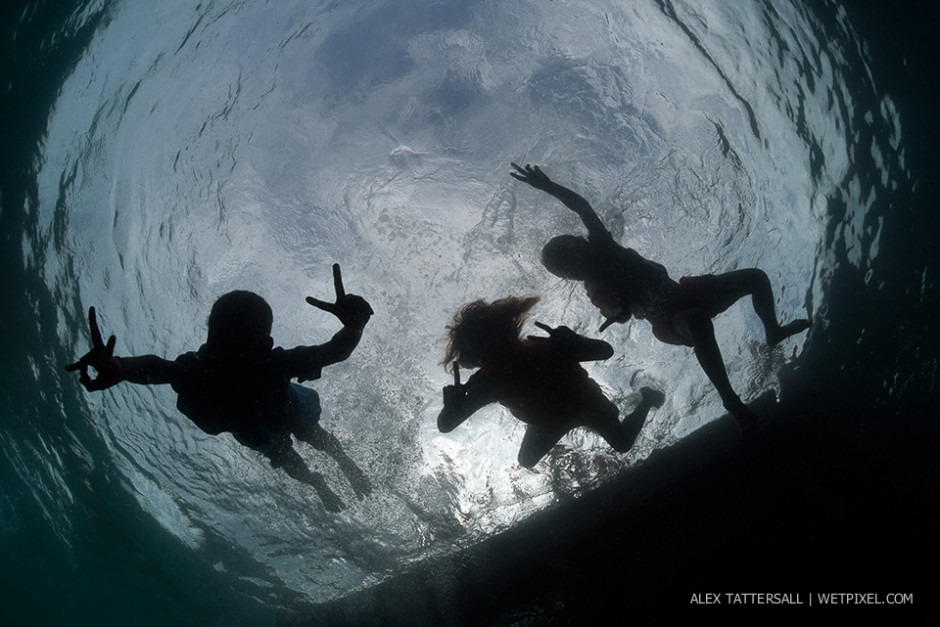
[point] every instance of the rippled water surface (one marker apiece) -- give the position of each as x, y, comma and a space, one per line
195, 149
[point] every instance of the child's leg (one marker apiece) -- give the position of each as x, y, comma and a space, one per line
732, 286
633, 424
536, 443
700, 327
604, 419
288, 459
322, 440
305, 425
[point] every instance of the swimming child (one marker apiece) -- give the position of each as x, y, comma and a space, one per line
538, 379
621, 284
238, 382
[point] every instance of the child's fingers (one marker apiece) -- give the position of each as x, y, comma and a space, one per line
338, 282
93, 325
320, 304
85, 380
544, 327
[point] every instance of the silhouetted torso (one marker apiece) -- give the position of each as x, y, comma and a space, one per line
249, 400
624, 273
541, 385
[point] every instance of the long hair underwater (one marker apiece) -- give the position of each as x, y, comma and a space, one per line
482, 333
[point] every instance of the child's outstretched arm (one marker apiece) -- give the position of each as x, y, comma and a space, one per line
353, 311
111, 370
577, 346
534, 176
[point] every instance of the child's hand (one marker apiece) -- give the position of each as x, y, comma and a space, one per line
100, 357
561, 336
351, 310
532, 175
454, 394
573, 345
331, 502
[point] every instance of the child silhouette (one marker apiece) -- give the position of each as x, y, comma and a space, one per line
240, 383
539, 379
621, 284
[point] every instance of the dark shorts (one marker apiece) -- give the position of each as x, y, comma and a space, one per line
305, 407
707, 292
303, 413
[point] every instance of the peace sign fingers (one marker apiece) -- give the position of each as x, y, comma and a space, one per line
99, 357
338, 282
337, 287
349, 308
539, 338
322, 304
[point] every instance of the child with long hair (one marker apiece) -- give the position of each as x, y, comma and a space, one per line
538, 379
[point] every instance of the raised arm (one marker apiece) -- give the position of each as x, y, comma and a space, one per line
576, 346
111, 370
353, 311
534, 176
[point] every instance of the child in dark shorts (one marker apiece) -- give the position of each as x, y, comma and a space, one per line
238, 382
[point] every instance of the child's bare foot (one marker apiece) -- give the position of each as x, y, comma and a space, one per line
743, 416
652, 397
359, 481
785, 331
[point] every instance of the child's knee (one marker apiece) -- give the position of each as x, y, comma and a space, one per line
620, 445
280, 457
528, 459
312, 435
753, 280
529, 456
610, 412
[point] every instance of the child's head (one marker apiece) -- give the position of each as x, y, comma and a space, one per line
240, 324
568, 257
482, 333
